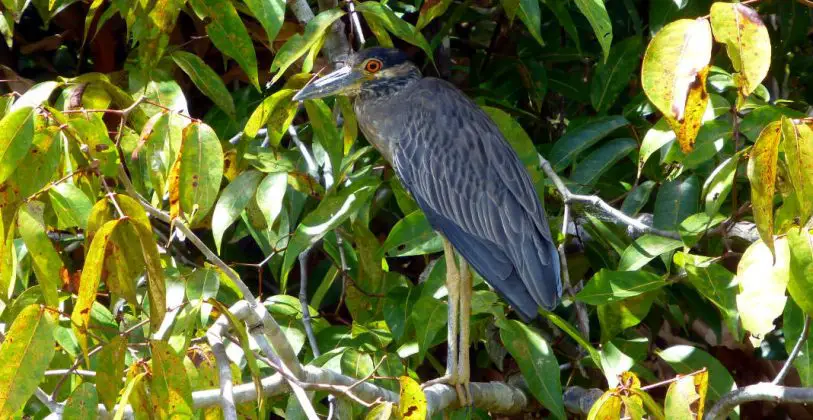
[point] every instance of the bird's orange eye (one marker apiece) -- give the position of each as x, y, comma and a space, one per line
373, 66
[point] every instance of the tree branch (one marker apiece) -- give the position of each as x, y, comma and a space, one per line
793, 353
764, 391
595, 201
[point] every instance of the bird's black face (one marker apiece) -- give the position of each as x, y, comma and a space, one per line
373, 69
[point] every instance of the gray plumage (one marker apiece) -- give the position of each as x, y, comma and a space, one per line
470, 184
459, 168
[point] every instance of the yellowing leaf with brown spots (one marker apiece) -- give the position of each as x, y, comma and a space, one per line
798, 146
174, 189
673, 75
412, 401
747, 42
685, 397
91, 276
692, 111
170, 391
199, 173
762, 175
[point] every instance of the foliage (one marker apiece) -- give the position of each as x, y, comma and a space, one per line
122, 123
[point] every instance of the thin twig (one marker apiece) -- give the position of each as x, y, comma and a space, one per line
669, 381
303, 301
595, 201
793, 353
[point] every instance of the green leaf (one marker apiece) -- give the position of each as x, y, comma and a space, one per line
637, 198
35, 96
797, 143
695, 226
718, 184
201, 169
574, 334
332, 211
109, 370
655, 138
270, 14
71, 206
762, 279
715, 283
270, 193
792, 324
530, 15
233, 200
206, 80
574, 142
25, 354
42, 160
83, 403
590, 169
609, 286
395, 25
326, 133
298, 45
560, 10
46, 261
16, 136
747, 42
91, 132
430, 10
617, 316
227, 31
537, 363
170, 391
129, 387
676, 200
644, 249
612, 75
687, 359
596, 14
800, 283
276, 111
411, 235
429, 316
762, 170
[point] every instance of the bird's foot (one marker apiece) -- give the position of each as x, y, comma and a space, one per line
463, 389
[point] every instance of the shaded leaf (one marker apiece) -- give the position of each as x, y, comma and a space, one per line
270, 14
676, 200
83, 403
109, 370
206, 80
429, 316
537, 363
596, 14
395, 25
800, 282
612, 75
792, 324
590, 169
637, 198
411, 235
574, 142
530, 15
715, 283
609, 286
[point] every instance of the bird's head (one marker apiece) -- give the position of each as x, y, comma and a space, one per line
374, 71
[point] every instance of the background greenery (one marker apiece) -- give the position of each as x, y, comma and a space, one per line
187, 106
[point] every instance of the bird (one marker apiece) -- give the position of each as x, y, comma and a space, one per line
466, 178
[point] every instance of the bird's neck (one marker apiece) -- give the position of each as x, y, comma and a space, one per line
382, 88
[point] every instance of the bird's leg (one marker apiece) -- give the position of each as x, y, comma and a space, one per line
453, 287
463, 363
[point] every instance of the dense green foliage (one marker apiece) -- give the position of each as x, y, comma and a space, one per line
130, 128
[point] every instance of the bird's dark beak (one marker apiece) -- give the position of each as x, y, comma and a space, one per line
343, 80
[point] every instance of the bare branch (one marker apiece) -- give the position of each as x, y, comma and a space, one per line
764, 391
595, 201
793, 353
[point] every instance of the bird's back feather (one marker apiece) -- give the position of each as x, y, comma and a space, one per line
472, 187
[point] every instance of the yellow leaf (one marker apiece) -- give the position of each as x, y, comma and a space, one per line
762, 283
762, 175
412, 403
747, 42
608, 407
797, 143
173, 186
673, 75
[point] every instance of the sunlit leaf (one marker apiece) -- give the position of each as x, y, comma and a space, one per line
395, 25
169, 386
686, 396
83, 403
233, 200
46, 261
607, 407
762, 277
644, 249
200, 163
800, 244
429, 316
617, 316
109, 370
270, 14
747, 42
16, 136
298, 45
797, 143
715, 283
687, 359
762, 169
411, 235
792, 324
718, 184
24, 355
270, 193
381, 411
412, 401
71, 205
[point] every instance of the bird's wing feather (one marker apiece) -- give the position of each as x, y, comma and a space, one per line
475, 191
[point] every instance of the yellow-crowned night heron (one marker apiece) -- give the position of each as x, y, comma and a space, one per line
465, 177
